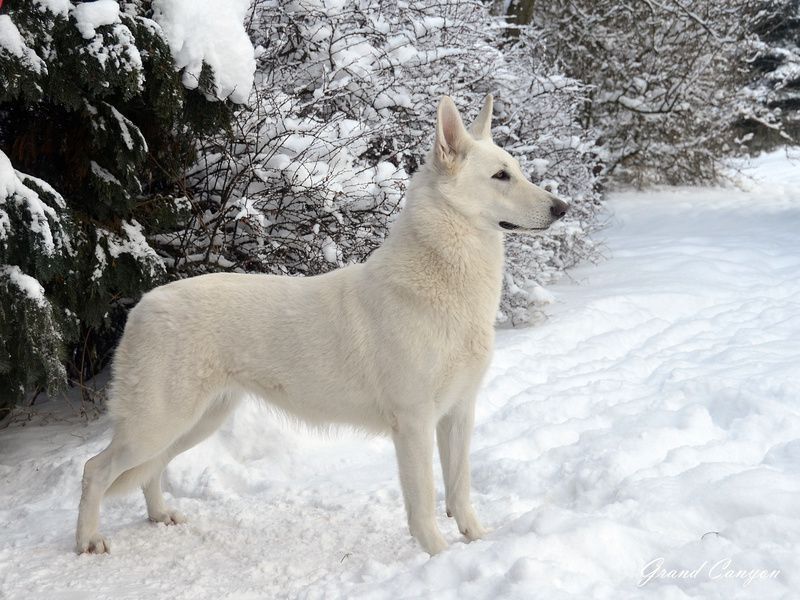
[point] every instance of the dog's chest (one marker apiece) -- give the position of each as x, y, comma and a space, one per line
461, 329
461, 357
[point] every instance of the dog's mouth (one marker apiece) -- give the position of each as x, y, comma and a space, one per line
512, 227
509, 226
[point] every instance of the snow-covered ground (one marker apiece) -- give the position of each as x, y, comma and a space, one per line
651, 425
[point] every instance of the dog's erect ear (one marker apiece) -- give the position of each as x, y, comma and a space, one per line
451, 136
481, 127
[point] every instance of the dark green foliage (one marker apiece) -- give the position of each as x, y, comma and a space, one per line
107, 123
773, 56
36, 236
31, 334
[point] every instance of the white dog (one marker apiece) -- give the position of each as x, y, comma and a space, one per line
398, 344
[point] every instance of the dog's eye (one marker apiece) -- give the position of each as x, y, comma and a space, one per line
502, 176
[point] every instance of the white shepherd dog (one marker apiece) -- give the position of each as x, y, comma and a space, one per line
398, 344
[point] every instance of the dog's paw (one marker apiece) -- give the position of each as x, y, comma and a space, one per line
168, 517
439, 546
429, 537
468, 523
434, 544
94, 544
474, 531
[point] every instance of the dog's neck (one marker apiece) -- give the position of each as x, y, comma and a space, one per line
435, 245
449, 236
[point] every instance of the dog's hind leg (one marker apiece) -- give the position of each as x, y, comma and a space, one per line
157, 509
140, 437
122, 453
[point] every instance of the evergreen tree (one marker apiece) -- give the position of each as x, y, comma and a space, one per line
771, 101
98, 128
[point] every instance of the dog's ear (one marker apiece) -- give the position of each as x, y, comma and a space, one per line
481, 127
451, 135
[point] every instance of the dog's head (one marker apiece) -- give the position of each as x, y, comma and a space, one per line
482, 180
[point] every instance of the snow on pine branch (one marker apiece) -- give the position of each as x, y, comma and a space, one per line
26, 284
199, 33
210, 32
42, 220
12, 42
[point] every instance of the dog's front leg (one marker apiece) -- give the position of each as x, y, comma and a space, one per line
413, 442
453, 434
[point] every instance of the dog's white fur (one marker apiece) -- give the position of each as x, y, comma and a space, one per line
398, 344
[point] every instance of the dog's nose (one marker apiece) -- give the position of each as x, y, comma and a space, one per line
559, 208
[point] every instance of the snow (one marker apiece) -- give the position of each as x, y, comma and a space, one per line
213, 32
123, 122
10, 38
27, 284
648, 433
119, 48
91, 15
103, 174
101, 264
41, 214
11, 41
57, 7
330, 251
130, 240
46, 187
9, 182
